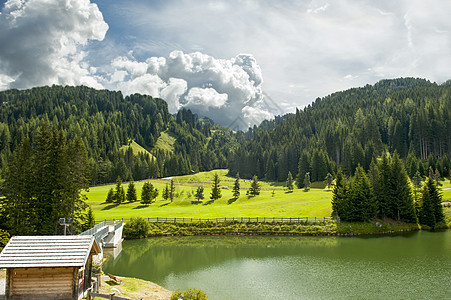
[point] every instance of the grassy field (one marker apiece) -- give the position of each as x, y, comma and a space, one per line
273, 201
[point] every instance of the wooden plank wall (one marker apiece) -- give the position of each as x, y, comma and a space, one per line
40, 282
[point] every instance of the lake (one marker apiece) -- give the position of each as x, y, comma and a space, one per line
404, 266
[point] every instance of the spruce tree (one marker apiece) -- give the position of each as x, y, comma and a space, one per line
236, 187
328, 180
416, 180
403, 206
215, 190
145, 193
89, 220
362, 204
290, 182
254, 190
199, 195
303, 167
111, 196
171, 190
119, 193
131, 192
18, 200
148, 193
431, 210
165, 193
340, 197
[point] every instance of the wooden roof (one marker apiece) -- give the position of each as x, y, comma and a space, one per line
48, 251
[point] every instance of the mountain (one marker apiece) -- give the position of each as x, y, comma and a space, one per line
135, 137
344, 129
107, 121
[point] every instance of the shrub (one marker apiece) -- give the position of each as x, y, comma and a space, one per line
137, 228
4, 238
189, 294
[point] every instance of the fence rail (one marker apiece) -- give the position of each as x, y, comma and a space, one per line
94, 229
239, 219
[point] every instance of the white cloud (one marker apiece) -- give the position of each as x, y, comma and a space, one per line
216, 88
314, 44
305, 49
40, 41
203, 99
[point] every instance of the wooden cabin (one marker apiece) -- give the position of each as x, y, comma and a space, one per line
48, 267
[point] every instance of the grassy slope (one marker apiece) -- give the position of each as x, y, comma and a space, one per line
165, 142
315, 203
137, 148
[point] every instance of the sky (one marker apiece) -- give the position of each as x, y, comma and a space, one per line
236, 61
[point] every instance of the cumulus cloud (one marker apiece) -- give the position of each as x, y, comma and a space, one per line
41, 42
225, 90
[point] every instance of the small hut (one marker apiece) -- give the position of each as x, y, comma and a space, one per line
48, 267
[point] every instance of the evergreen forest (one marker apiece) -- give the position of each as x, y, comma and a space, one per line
106, 122
351, 128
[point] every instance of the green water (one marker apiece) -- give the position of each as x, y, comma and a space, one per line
411, 266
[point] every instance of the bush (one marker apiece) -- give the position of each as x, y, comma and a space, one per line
4, 238
189, 294
137, 228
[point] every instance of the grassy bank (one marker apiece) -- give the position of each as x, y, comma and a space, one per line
141, 228
133, 288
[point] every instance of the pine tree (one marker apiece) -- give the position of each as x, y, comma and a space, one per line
303, 167
290, 182
18, 200
307, 182
431, 210
340, 197
362, 205
215, 190
199, 195
131, 192
171, 190
89, 220
165, 193
403, 206
416, 180
236, 187
111, 196
328, 180
148, 193
119, 193
254, 190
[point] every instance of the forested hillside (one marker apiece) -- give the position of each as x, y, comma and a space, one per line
105, 121
410, 116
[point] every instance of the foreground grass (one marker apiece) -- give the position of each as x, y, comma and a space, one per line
133, 288
273, 201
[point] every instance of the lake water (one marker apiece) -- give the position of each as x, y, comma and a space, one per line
409, 266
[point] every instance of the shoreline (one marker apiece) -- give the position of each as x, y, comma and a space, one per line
140, 228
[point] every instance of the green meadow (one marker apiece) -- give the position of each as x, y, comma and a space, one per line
274, 200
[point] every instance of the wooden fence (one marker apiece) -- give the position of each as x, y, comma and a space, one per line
239, 219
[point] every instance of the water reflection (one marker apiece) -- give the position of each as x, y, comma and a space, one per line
242, 267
